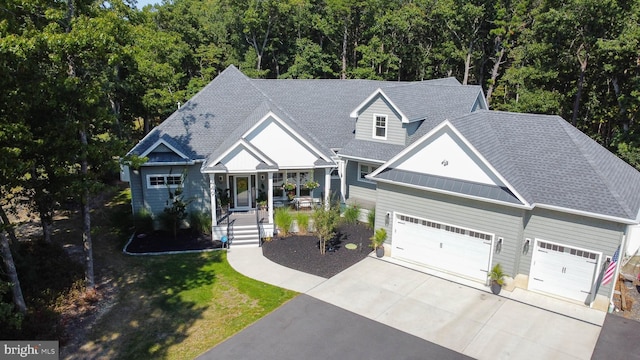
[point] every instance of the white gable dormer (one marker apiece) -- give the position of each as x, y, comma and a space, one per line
378, 119
444, 153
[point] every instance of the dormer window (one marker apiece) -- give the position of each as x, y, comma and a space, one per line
380, 126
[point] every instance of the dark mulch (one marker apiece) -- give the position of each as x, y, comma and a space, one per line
302, 252
162, 241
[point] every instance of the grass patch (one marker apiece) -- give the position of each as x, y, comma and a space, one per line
167, 307
351, 214
183, 305
283, 218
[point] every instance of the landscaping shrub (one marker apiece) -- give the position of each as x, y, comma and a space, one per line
200, 222
371, 219
143, 221
351, 214
283, 219
325, 221
303, 222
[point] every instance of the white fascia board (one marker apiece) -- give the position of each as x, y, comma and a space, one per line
261, 155
451, 193
248, 146
484, 100
373, 161
171, 163
355, 113
161, 141
435, 130
327, 166
300, 138
587, 214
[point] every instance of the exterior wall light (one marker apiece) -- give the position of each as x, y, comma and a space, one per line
525, 246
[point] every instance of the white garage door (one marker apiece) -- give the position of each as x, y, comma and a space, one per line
445, 247
563, 271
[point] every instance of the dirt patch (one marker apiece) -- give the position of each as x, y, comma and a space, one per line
302, 252
629, 280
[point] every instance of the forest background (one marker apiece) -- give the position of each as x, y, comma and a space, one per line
83, 80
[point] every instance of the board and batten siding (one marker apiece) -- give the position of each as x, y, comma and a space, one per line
396, 134
572, 230
196, 189
501, 221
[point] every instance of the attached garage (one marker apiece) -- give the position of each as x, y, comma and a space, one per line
563, 271
445, 247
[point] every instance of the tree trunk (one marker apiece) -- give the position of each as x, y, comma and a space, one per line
146, 124
7, 226
623, 110
10, 268
467, 64
86, 215
583, 68
343, 72
494, 75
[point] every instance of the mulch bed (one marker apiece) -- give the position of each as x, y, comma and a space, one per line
162, 241
302, 252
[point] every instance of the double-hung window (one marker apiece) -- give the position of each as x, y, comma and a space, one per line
364, 170
379, 126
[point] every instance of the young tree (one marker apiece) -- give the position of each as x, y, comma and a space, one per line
325, 220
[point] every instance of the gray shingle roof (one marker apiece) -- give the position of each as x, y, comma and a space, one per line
420, 101
492, 192
318, 109
544, 158
549, 162
370, 150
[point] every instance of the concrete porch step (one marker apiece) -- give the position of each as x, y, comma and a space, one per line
246, 235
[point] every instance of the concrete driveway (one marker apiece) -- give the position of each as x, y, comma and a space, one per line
465, 318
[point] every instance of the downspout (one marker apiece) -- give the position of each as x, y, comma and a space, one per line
342, 172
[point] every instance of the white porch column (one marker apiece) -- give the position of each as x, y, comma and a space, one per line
270, 196
212, 195
342, 172
327, 188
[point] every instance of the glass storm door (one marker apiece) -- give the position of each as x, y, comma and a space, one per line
242, 193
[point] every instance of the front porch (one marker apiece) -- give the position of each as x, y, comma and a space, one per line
244, 228
249, 199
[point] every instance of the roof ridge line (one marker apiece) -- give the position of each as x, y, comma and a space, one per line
597, 170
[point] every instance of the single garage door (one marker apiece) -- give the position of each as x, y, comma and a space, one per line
563, 271
444, 247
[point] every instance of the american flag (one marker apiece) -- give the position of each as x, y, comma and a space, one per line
611, 269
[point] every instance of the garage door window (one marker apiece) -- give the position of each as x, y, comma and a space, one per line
453, 229
562, 249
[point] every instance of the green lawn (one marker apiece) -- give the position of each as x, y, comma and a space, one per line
178, 306
163, 307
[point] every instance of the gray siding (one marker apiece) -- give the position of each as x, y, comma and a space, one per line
137, 195
196, 189
572, 230
357, 189
502, 221
396, 134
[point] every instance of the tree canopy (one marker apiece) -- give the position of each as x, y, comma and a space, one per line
83, 80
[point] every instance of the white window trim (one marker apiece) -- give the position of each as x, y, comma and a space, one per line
372, 168
163, 186
375, 127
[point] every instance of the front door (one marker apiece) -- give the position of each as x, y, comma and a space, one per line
242, 192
